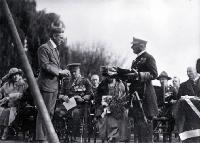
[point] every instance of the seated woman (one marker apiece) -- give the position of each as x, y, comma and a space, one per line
10, 92
113, 121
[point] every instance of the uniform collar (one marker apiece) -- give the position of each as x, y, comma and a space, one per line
53, 44
139, 54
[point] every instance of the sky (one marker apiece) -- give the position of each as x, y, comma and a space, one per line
171, 27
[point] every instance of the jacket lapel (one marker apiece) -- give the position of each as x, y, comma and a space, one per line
136, 62
189, 85
54, 52
198, 87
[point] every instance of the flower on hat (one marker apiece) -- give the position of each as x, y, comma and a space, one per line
12, 71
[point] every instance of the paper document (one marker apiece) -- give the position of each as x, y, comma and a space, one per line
69, 105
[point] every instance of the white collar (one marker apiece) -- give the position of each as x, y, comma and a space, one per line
196, 78
141, 53
53, 44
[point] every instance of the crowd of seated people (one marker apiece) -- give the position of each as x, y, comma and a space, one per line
111, 117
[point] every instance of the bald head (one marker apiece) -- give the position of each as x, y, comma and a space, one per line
192, 73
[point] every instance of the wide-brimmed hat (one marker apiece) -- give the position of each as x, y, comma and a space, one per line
12, 71
163, 74
107, 70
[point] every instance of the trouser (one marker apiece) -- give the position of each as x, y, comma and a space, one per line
50, 101
143, 131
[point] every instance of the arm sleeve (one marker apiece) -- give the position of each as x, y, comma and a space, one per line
44, 61
88, 87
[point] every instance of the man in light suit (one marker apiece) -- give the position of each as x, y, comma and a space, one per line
50, 71
144, 67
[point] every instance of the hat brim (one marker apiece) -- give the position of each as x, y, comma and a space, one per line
159, 77
12, 74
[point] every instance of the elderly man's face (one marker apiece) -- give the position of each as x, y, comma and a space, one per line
136, 48
95, 81
192, 73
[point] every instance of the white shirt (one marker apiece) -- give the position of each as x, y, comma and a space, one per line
53, 44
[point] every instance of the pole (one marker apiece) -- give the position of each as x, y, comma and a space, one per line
51, 134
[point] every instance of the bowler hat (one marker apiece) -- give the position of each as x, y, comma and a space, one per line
163, 74
73, 66
137, 41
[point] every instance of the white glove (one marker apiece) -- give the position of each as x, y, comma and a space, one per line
64, 72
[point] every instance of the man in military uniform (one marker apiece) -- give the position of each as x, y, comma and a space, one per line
81, 89
145, 70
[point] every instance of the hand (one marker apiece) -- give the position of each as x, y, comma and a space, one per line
168, 94
86, 97
64, 72
66, 99
61, 96
79, 98
173, 101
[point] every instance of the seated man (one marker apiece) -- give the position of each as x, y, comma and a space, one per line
188, 107
81, 89
166, 95
191, 87
165, 92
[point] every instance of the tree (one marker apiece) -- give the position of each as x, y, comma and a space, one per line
33, 28
92, 57
22, 11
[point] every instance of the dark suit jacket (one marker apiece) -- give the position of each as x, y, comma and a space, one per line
146, 66
49, 63
187, 88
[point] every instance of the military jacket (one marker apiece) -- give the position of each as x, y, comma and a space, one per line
80, 86
146, 67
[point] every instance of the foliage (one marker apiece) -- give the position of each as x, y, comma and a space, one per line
92, 56
22, 11
33, 27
